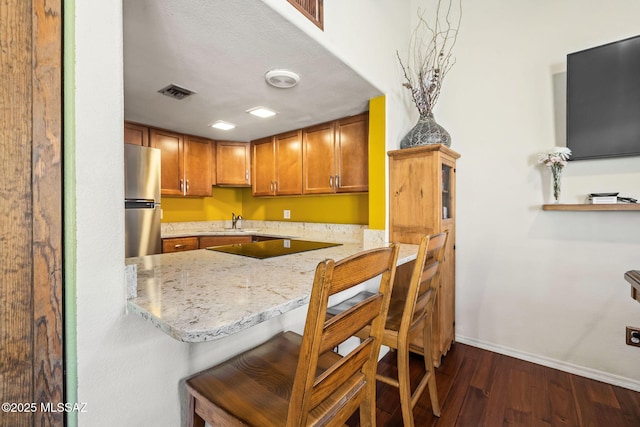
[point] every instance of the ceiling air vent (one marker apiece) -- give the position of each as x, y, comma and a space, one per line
176, 92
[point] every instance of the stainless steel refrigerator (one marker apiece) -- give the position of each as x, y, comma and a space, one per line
142, 200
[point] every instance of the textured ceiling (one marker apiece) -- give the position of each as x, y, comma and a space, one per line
221, 49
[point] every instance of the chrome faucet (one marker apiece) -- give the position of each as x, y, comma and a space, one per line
235, 219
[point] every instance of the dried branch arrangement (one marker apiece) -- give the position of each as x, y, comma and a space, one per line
429, 55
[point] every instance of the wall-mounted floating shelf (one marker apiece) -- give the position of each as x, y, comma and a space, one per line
591, 207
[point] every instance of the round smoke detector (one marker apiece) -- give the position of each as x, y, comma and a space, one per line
282, 79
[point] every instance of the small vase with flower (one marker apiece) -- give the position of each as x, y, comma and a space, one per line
555, 160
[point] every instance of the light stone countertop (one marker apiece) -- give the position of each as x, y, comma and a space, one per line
204, 295
285, 229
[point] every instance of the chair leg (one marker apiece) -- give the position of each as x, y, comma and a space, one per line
433, 394
430, 370
368, 406
193, 419
404, 386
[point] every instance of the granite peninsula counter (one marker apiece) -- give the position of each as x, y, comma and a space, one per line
203, 295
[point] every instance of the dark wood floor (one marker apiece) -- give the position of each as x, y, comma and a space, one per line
480, 388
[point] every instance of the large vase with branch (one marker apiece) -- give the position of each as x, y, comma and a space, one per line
429, 60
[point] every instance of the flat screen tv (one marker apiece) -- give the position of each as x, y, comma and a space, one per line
603, 100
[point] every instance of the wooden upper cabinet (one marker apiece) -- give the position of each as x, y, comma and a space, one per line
288, 163
186, 163
233, 163
171, 146
336, 156
352, 154
277, 165
197, 166
318, 167
136, 134
263, 167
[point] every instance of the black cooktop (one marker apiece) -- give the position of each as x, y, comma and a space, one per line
272, 248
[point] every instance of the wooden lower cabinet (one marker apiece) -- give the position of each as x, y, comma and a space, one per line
190, 243
179, 244
422, 201
207, 241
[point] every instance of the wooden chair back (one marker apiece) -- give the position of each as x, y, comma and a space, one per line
423, 287
327, 390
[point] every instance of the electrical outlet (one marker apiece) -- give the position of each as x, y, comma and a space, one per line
287, 214
633, 336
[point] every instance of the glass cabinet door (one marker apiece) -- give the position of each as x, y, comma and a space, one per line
446, 192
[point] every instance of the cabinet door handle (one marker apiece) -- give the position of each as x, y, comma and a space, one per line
271, 186
246, 176
181, 185
179, 246
337, 181
187, 186
275, 186
330, 182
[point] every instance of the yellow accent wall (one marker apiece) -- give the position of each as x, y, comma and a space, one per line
377, 164
362, 209
219, 206
335, 209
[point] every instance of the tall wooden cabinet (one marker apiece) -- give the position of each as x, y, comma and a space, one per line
422, 201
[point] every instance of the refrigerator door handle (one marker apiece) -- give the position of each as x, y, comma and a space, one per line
139, 204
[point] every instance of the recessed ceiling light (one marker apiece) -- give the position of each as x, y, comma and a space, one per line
281, 78
262, 112
223, 125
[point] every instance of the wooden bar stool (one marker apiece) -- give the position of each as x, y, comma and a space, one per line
294, 380
408, 317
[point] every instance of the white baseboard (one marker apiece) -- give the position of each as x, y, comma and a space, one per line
553, 363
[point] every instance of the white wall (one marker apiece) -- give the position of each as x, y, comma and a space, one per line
128, 371
547, 286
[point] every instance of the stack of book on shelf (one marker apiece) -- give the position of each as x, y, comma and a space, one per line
603, 198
